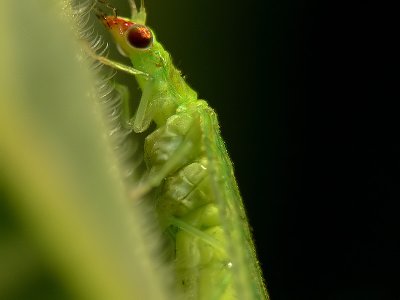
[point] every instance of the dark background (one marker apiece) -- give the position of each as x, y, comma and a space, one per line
303, 92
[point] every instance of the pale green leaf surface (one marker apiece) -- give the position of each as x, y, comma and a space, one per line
56, 157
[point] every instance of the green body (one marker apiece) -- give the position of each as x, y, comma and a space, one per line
197, 198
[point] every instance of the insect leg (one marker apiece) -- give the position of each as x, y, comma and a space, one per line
197, 233
118, 66
185, 147
156, 178
114, 64
125, 105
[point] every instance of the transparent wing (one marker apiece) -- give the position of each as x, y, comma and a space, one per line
246, 273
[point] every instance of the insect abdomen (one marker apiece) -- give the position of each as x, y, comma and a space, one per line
187, 208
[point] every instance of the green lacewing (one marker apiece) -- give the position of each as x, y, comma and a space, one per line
198, 203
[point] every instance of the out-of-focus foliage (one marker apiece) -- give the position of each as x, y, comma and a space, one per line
67, 229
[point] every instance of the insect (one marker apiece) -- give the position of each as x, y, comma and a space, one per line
197, 198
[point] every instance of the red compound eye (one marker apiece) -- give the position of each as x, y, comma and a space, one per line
139, 36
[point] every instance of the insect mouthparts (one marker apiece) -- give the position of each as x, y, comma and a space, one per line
122, 24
